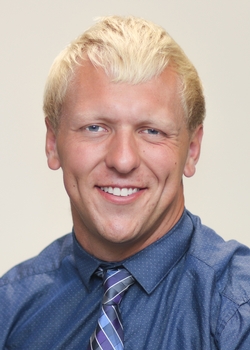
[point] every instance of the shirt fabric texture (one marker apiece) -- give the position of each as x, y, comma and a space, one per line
191, 291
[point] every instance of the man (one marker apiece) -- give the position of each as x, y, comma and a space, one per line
124, 113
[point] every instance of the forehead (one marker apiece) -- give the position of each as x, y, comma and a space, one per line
91, 87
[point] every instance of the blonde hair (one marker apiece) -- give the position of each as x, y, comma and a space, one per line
130, 50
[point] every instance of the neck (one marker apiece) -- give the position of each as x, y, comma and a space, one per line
112, 251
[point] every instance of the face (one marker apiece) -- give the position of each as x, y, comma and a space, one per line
123, 150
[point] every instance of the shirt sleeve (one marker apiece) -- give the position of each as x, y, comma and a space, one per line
235, 335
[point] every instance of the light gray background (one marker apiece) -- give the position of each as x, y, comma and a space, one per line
215, 35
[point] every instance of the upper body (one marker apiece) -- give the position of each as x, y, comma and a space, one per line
124, 111
191, 291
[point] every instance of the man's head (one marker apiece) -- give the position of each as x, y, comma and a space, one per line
130, 50
124, 122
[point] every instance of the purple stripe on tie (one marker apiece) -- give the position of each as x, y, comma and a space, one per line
109, 331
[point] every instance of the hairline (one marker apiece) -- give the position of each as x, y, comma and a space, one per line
80, 63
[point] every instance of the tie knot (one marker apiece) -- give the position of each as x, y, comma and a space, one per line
115, 282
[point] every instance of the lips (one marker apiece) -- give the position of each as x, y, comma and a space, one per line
120, 192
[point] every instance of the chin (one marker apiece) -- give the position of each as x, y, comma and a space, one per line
119, 238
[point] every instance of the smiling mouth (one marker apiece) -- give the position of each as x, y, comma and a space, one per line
120, 192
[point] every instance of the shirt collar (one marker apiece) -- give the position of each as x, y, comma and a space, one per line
150, 265
85, 263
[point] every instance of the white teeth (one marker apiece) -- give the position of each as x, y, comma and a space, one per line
124, 192
117, 191
120, 192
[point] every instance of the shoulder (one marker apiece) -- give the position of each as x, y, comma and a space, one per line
226, 265
29, 287
230, 261
222, 257
49, 259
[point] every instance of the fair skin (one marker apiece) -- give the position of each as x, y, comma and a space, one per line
123, 150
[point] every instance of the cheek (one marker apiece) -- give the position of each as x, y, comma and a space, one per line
161, 164
73, 168
80, 167
169, 171
72, 156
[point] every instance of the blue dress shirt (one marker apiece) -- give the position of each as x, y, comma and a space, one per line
192, 292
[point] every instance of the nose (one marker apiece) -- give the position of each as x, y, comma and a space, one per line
122, 153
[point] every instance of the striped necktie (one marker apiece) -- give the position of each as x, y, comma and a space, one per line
109, 332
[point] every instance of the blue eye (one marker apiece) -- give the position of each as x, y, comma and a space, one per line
94, 128
152, 131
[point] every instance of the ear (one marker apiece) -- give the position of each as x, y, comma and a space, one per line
51, 147
194, 151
